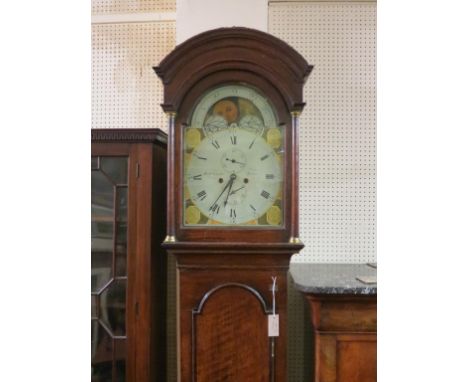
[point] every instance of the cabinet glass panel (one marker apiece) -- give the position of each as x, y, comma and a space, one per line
120, 360
101, 354
109, 209
115, 168
112, 306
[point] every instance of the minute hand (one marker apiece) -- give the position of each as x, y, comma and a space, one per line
228, 193
222, 192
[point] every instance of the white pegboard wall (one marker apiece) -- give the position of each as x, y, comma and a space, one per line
337, 127
99, 7
126, 93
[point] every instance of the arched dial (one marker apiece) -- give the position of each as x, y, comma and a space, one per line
233, 166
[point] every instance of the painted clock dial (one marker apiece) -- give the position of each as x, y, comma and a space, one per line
233, 162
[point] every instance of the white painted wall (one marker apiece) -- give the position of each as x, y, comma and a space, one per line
196, 16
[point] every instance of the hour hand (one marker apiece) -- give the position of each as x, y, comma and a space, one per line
238, 189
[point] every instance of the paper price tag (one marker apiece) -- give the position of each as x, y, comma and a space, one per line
273, 325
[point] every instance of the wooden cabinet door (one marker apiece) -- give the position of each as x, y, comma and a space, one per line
346, 357
345, 328
109, 267
230, 337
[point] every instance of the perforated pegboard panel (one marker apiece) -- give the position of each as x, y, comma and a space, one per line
337, 127
126, 93
131, 6
337, 145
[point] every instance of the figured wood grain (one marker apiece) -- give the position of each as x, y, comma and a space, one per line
231, 338
345, 332
197, 282
356, 358
343, 313
325, 358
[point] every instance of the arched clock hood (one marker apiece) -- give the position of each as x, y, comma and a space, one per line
242, 50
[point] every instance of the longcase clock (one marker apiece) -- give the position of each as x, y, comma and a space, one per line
233, 97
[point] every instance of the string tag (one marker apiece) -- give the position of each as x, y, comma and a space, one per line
273, 325
273, 319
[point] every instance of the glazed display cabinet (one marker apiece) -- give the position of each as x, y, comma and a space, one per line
128, 265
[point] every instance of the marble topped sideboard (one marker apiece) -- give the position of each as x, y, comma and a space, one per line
343, 307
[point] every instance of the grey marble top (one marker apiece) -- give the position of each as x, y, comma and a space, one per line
334, 278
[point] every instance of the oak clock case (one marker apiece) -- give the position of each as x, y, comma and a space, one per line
233, 161
232, 97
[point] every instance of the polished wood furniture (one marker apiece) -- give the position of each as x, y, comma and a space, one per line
225, 273
343, 313
128, 264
